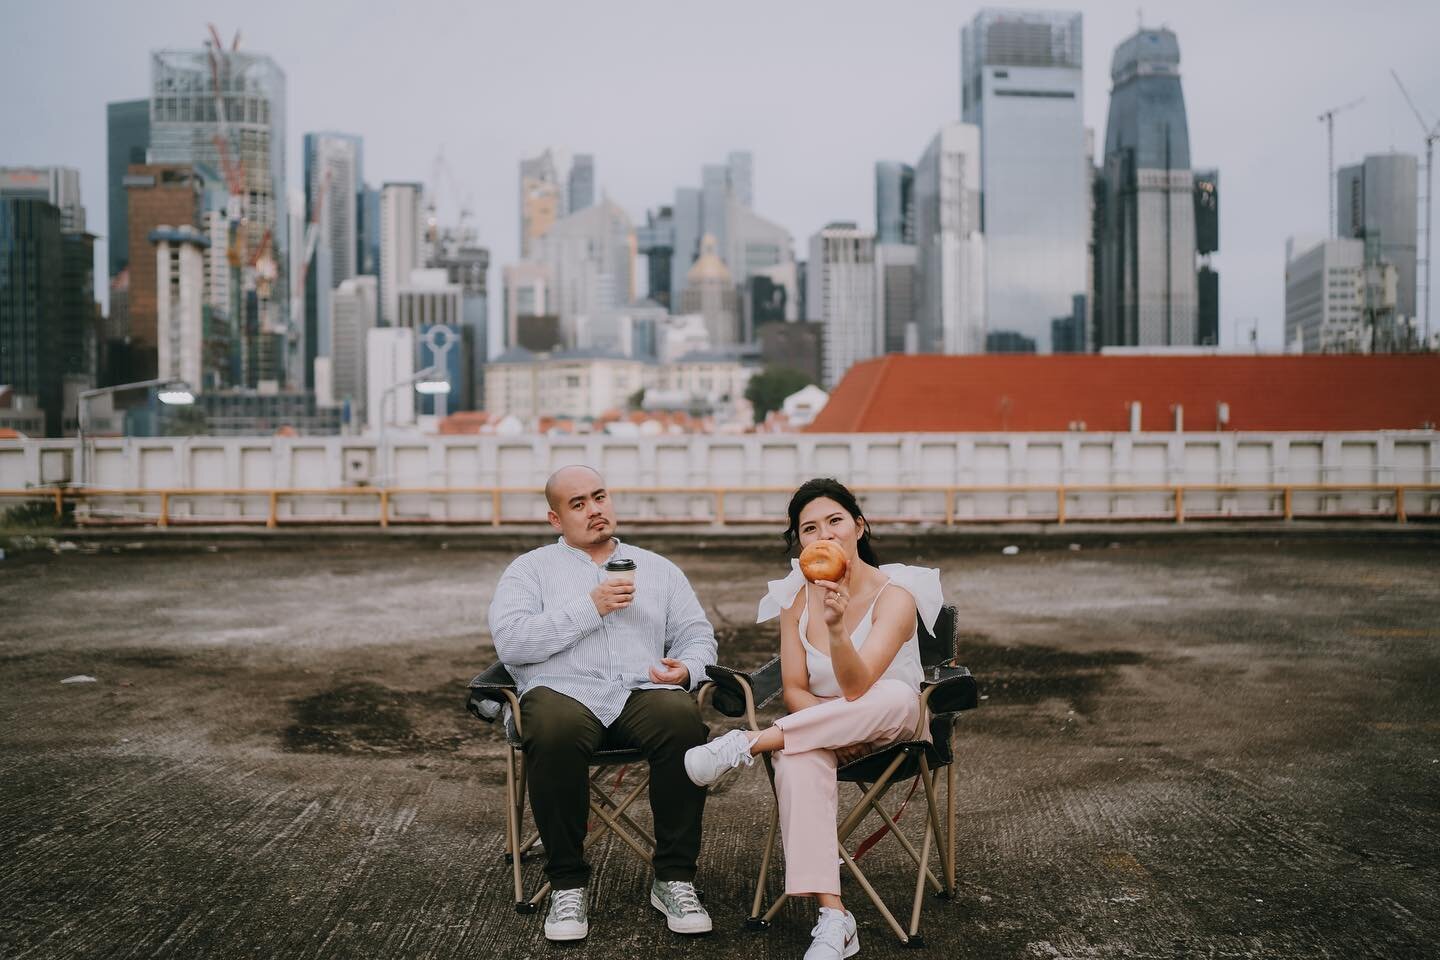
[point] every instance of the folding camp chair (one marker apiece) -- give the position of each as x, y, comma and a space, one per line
946, 690
486, 696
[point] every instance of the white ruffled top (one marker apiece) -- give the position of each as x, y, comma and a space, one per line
922, 583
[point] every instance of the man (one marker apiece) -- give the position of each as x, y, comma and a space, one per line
604, 663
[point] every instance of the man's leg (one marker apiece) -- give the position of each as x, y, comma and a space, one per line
664, 724
561, 735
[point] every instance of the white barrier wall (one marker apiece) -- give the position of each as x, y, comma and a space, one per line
242, 464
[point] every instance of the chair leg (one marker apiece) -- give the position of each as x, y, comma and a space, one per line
920, 882
906, 843
948, 857
598, 793
950, 820
755, 921
512, 829
874, 897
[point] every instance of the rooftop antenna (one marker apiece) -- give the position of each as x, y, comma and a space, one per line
1431, 134
1328, 118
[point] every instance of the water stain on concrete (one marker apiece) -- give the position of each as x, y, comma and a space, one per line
357, 717
1023, 673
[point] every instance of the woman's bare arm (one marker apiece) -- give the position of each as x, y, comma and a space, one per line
857, 670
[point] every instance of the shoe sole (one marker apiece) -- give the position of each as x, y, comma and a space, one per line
670, 921
567, 937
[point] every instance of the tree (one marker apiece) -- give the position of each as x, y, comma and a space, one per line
636, 400
768, 389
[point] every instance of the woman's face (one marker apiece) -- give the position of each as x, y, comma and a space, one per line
824, 519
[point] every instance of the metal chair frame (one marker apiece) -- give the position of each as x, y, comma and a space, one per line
946, 690
487, 694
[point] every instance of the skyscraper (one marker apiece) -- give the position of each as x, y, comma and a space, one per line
1021, 85
895, 279
334, 194
355, 311
689, 220
894, 202
841, 277
656, 240
580, 188
180, 303
1376, 201
127, 128
184, 128
169, 195
402, 222
31, 359
950, 250
1145, 265
590, 256
57, 186
553, 185
740, 173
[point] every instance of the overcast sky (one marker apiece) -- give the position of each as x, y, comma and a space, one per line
817, 90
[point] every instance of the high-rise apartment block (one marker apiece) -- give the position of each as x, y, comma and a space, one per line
168, 195
180, 304
1376, 201
1021, 76
354, 312
950, 249
841, 277
402, 226
1325, 297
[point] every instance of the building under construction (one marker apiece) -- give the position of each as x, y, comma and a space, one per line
225, 109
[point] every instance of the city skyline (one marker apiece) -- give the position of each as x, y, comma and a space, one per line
814, 164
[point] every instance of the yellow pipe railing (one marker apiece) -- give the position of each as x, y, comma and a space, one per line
385, 497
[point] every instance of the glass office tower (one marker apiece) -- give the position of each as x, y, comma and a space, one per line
1145, 271
1021, 85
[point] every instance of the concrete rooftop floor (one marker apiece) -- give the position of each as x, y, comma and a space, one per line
1190, 747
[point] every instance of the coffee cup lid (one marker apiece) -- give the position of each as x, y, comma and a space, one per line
620, 564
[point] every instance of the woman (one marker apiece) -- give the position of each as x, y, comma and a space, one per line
850, 664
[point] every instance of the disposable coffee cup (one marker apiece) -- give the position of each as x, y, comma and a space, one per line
620, 571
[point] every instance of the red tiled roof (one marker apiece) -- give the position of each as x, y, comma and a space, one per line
985, 393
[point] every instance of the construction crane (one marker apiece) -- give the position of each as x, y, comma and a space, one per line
1431, 134
1328, 118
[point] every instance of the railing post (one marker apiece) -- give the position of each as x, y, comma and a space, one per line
720, 508
1179, 504
59, 505
1060, 505
164, 509
272, 520
1289, 502
1399, 504
384, 509
495, 507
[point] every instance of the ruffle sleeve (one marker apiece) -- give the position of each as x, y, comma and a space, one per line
923, 583
781, 593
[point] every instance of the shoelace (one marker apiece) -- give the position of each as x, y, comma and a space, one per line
685, 897
567, 904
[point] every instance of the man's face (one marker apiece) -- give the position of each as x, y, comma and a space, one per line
581, 510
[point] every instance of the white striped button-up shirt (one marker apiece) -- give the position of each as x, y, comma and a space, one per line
548, 633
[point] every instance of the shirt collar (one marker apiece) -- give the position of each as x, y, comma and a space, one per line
619, 551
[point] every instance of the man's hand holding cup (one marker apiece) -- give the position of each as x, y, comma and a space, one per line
618, 590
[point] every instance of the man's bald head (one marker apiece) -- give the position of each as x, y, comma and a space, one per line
563, 480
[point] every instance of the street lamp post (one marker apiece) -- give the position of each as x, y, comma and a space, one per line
431, 380
171, 392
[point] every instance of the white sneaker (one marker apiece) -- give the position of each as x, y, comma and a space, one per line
835, 936
566, 919
704, 764
680, 903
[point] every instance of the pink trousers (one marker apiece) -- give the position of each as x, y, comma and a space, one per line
805, 775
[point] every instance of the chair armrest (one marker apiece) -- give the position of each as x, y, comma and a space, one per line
948, 688
488, 692
739, 693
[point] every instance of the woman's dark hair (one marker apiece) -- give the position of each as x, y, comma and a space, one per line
837, 491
